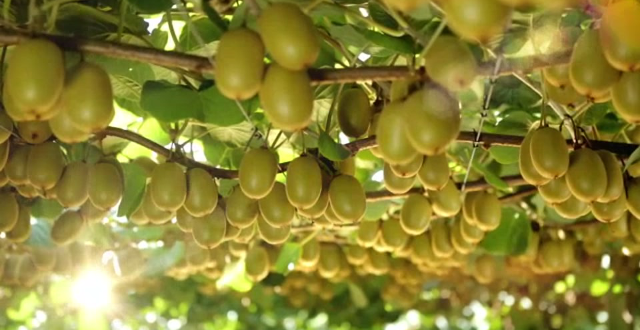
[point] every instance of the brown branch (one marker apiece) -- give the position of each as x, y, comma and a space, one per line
203, 65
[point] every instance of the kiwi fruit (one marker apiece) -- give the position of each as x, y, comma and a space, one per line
446, 202
6, 126
152, 212
272, 235
257, 173
368, 233
241, 210
477, 20
421, 250
304, 182
238, 72
450, 63
434, 173
310, 255
319, 208
67, 228
231, 233
487, 211
615, 184
549, 152
619, 42
527, 169
139, 218
72, 189
209, 231
409, 169
287, 98
557, 75
88, 112
415, 215
184, 220
441, 239
296, 49
91, 213
354, 112
43, 258
16, 166
471, 232
555, 191
433, 120
610, 211
34, 132
168, 188
246, 234
347, 198
396, 184
237, 249
105, 185
22, 228
393, 143
587, 175
33, 84
5, 148
275, 207
202, 193
379, 263
257, 263
633, 197
485, 269
393, 235
65, 130
618, 228
9, 211
357, 255
590, 72
634, 228
347, 166
566, 95
572, 208
460, 244
625, 98
45, 165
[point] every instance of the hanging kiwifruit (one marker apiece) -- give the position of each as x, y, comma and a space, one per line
347, 198
527, 169
446, 202
318, 209
619, 41
624, 95
67, 228
202, 194
396, 184
487, 211
16, 166
450, 63
257, 263
138, 217
557, 75
615, 183
572, 208
64, 129
433, 120
421, 249
590, 72
239, 72
393, 235
289, 35
287, 98
88, 112
587, 175
304, 182
470, 232
35, 85
610, 211
441, 239
257, 173
354, 112
246, 234
310, 254
467, 206
105, 185
347, 166
477, 20
34, 132
434, 173
329, 264
379, 263
415, 215
152, 212
6, 126
272, 235
241, 210
485, 269
549, 152
184, 220
566, 95
168, 187
22, 228
45, 165
460, 244
556, 191
9, 211
368, 233
72, 189
209, 231
91, 213
275, 207
633, 197
619, 228
409, 169
357, 255
44, 258
393, 143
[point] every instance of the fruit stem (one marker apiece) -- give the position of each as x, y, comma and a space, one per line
172, 32
309, 237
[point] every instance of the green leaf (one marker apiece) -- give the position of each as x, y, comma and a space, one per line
205, 29
151, 6
511, 237
289, 253
634, 158
164, 258
379, 15
357, 295
331, 149
375, 210
135, 180
169, 103
404, 45
505, 155
214, 150
515, 40
222, 111
491, 177
595, 114
48, 209
40, 234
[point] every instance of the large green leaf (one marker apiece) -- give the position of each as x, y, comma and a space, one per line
404, 45
289, 253
222, 111
200, 30
331, 149
135, 180
358, 297
490, 176
169, 103
376, 209
511, 237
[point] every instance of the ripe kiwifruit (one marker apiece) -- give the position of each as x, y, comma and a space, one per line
272, 235
446, 202
566, 95
304, 182
467, 206
27, 272
184, 220
357, 255
147, 164
16, 167
477, 20
72, 189
257, 173
202, 195
88, 112
633, 197
3, 179
572, 208
487, 211
34, 132
45, 165
368, 233
409, 169
395, 183
485, 269
209, 231
634, 228
6, 126
619, 228
44, 258
35, 85
231, 233
275, 207
433, 120
105, 185
64, 129
421, 250
289, 35
615, 184
318, 209
67, 228
310, 254
246, 234
590, 72
90, 213
287, 98
22, 228
152, 212
331, 216
354, 112
470, 232
347, 198
527, 169
238, 72
460, 244
168, 187
393, 143
347, 166
557, 75
625, 98
434, 173
415, 215
257, 263
556, 191
242, 211
610, 211
450, 63
9, 211
330, 255
138, 217
399, 90
238, 249
441, 239
549, 152
378, 263
587, 175
620, 44
393, 235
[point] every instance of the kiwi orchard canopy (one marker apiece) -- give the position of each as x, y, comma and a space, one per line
336, 164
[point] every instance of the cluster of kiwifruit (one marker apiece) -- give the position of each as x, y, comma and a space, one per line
288, 35
578, 182
302, 288
198, 260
